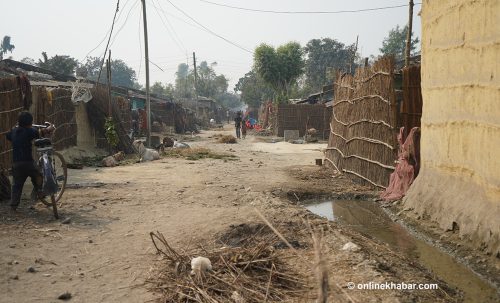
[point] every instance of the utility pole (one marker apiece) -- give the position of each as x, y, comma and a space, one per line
354, 55
408, 34
195, 77
108, 68
146, 58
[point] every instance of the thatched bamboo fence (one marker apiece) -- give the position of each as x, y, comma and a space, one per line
363, 140
302, 117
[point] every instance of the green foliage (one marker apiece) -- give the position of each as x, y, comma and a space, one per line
159, 89
253, 89
62, 64
184, 82
395, 43
210, 84
324, 57
121, 73
280, 68
111, 134
6, 46
229, 100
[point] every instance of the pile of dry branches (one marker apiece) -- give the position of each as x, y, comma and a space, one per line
253, 271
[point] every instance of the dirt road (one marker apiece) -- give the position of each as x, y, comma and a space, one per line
104, 253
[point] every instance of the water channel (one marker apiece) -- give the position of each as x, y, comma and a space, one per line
368, 218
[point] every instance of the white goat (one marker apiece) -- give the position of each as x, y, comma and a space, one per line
145, 154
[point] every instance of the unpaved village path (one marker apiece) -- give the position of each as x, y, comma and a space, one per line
105, 254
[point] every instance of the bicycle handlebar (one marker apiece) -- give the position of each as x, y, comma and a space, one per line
45, 125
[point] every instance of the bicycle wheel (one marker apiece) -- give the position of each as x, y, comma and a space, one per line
61, 175
54, 206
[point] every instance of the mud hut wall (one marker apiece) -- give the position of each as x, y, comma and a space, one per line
362, 142
459, 182
302, 117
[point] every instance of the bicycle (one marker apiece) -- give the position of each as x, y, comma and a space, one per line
54, 172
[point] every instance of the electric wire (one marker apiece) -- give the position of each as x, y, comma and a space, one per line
209, 30
170, 34
172, 27
110, 34
124, 22
306, 12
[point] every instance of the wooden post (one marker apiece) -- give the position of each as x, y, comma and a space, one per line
408, 34
353, 55
108, 68
146, 57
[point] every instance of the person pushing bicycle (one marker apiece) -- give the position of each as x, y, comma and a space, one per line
23, 164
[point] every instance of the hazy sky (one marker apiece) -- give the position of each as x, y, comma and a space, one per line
75, 27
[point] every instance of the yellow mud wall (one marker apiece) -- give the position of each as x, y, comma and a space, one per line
459, 181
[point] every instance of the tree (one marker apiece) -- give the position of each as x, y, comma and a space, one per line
253, 89
184, 82
121, 73
6, 46
324, 57
210, 84
65, 65
280, 68
395, 43
229, 100
162, 90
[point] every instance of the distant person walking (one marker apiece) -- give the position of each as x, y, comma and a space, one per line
227, 115
237, 125
244, 128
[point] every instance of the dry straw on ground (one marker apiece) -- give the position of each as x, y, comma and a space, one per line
228, 139
252, 271
196, 153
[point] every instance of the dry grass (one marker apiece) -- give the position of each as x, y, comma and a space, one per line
227, 139
253, 271
196, 153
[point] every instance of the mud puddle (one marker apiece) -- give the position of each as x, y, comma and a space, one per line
369, 219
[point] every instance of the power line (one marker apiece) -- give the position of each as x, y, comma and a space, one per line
305, 12
104, 38
209, 30
182, 50
110, 33
124, 22
172, 27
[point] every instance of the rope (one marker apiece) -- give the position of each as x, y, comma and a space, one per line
362, 139
7, 151
362, 98
333, 164
10, 91
361, 121
373, 76
12, 110
364, 178
361, 158
344, 86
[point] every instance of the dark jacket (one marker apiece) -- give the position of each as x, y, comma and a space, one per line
21, 138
